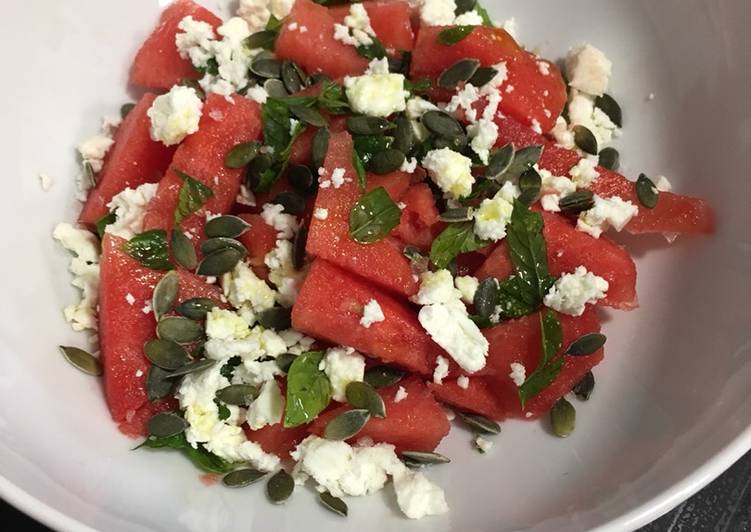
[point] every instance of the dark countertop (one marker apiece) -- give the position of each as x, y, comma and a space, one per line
723, 506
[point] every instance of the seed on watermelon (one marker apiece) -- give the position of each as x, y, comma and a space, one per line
227, 226
280, 487
285, 360
585, 140
196, 308
483, 76
298, 248
363, 395
382, 376
523, 160
165, 425
292, 77
300, 176
239, 478
183, 250
166, 354
82, 360
292, 202
165, 294
179, 329
563, 418
586, 345
610, 159
275, 88
610, 107
221, 242
241, 155
125, 109
646, 191
443, 125
499, 161
158, 383
386, 161
266, 67
576, 202
459, 72
368, 125
219, 262
193, 367
346, 424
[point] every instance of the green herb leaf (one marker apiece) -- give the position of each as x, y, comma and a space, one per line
332, 98
193, 194
103, 222
550, 364
229, 367
150, 249
368, 145
486, 20
275, 116
454, 34
274, 24
308, 390
456, 239
511, 302
372, 51
373, 217
359, 169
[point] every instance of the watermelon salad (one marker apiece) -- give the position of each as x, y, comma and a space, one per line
322, 231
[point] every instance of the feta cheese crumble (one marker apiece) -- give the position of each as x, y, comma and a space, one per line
467, 286
436, 288
518, 373
572, 291
441, 369
662, 184
129, 207
94, 149
45, 182
257, 12
400, 395
84, 266
462, 382
242, 287
320, 213
607, 212
588, 70
343, 365
451, 171
483, 135
282, 272
468, 18
492, 217
356, 30
175, 115
267, 408
371, 313
582, 112
378, 66
376, 94
584, 172
437, 12
483, 445
273, 214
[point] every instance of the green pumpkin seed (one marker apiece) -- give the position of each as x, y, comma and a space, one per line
460, 214
196, 308
386, 161
227, 225
266, 67
457, 73
280, 487
462, 6
610, 159
298, 248
523, 160
198, 351
277, 318
647, 192
483, 76
293, 81
82, 360
404, 135
335, 504
241, 155
165, 294
193, 367
563, 418
480, 423
486, 297
237, 394
576, 202
219, 262
308, 115
442, 124
158, 384
499, 162
585, 140
275, 88
166, 354
179, 329
292, 202
363, 396
301, 178
125, 109
222, 242
320, 147
89, 174
424, 458
530, 184
166, 424
257, 166
368, 125
382, 376
584, 388
239, 478
285, 360
183, 250
261, 39
346, 424
586, 345
610, 107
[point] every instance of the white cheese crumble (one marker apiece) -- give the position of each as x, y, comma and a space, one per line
409, 165
371, 313
467, 286
448, 324
282, 272
588, 70
462, 382
320, 213
441, 370
356, 30
436, 288
258, 94
84, 266
584, 172
492, 217
483, 445
273, 214
246, 197
94, 149
468, 18
437, 12
662, 184
130, 299
518, 373
483, 135
451, 171
607, 212
343, 365
572, 291
267, 408
129, 207
257, 12
376, 94
400, 395
242, 286
582, 112
417, 496
223, 324
45, 182
175, 115
378, 66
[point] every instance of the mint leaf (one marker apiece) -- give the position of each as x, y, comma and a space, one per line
332, 98
275, 117
454, 34
308, 390
103, 222
281, 159
274, 24
229, 367
200, 457
372, 51
359, 169
373, 217
486, 20
456, 239
193, 194
224, 412
150, 249
550, 362
511, 301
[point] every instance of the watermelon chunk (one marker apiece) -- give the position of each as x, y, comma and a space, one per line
259, 240
134, 425
158, 64
124, 328
276, 439
569, 248
330, 305
478, 397
380, 262
396, 183
316, 50
416, 423
201, 155
134, 159
419, 223
390, 21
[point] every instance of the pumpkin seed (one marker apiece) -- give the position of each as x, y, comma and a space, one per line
292, 202
280, 487
610, 107
461, 214
239, 478
442, 124
610, 159
646, 191
400, 64
227, 225
457, 73
198, 351
320, 147
308, 115
523, 160
563, 418
166, 424
277, 318
486, 297
165, 294
530, 184
301, 178
584, 388
261, 39
275, 88
346, 424
196, 308
483, 76
82, 360
241, 155
193, 367
386, 161
500, 161
125, 109
257, 166
266, 67
183, 250
462, 6
404, 135
576, 202
285, 360
424, 458
585, 140
291, 77
382, 376
298, 248
368, 125
219, 262
89, 173
335, 504
222, 242
363, 395
237, 394
586, 345
158, 384
179, 329
166, 354
480, 423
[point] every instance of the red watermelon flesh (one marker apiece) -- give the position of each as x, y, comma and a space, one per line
568, 249
259, 240
133, 160
316, 50
390, 21
478, 397
134, 424
539, 93
276, 439
158, 64
124, 328
330, 305
380, 262
396, 183
416, 423
201, 155
419, 223
674, 213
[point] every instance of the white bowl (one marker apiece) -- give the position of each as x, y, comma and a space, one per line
671, 409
